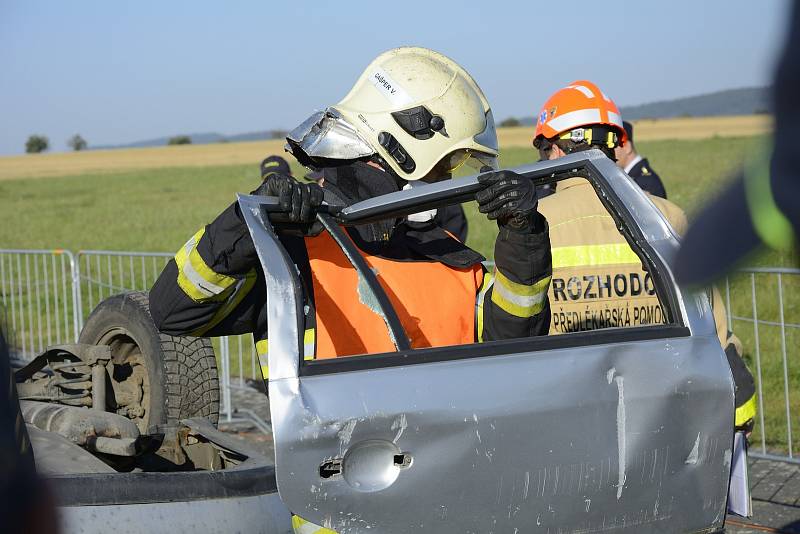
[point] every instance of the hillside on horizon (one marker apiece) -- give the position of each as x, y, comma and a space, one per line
743, 101
204, 138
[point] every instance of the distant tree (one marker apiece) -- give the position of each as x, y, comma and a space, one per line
76, 143
761, 111
180, 140
276, 134
36, 144
510, 122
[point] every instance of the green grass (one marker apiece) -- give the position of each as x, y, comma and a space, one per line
157, 210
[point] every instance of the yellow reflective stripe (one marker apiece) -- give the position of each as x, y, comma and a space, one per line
609, 254
488, 281
519, 299
745, 412
196, 278
240, 290
308, 344
262, 349
301, 526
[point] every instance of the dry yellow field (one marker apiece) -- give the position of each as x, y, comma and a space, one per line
659, 129
102, 161
99, 161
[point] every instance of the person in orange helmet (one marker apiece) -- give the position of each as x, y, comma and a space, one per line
588, 249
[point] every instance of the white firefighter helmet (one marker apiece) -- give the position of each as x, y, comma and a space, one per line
412, 107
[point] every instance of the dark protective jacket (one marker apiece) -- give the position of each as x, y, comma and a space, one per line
786, 158
646, 178
214, 286
454, 220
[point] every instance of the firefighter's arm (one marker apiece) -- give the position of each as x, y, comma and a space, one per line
210, 286
513, 301
214, 286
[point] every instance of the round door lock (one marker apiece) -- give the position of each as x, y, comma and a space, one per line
373, 465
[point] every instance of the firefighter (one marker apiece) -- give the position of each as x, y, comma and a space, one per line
598, 280
413, 115
761, 206
637, 167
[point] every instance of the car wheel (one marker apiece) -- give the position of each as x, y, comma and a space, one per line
155, 378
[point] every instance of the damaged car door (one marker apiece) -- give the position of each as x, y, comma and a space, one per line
589, 431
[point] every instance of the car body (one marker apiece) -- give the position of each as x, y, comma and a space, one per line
94, 498
614, 429
620, 428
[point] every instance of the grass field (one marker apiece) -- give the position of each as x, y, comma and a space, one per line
156, 208
154, 199
225, 154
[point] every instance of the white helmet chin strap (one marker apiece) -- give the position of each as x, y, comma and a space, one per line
421, 216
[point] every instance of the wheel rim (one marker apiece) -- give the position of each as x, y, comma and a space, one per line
129, 378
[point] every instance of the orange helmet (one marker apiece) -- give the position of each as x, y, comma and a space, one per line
570, 112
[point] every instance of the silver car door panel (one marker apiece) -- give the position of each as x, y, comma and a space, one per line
552, 436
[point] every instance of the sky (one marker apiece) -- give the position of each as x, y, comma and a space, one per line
118, 72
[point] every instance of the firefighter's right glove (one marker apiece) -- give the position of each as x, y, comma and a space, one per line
298, 203
510, 199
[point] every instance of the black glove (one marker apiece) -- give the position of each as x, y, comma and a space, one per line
298, 203
510, 199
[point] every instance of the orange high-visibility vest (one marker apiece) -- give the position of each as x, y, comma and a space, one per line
435, 303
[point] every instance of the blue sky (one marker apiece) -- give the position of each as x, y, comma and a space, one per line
118, 72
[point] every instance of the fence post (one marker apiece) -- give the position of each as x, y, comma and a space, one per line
758, 363
77, 310
728, 310
225, 384
785, 366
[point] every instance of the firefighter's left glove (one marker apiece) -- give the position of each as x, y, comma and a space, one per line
298, 203
510, 199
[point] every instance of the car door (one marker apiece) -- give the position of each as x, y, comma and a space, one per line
594, 431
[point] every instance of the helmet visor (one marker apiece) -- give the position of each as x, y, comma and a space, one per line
468, 160
325, 135
488, 137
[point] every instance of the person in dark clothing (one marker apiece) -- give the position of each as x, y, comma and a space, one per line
762, 204
26, 504
638, 167
215, 286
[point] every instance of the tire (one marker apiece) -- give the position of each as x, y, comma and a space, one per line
155, 378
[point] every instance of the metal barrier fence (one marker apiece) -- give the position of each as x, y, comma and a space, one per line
38, 295
768, 324
102, 273
47, 294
